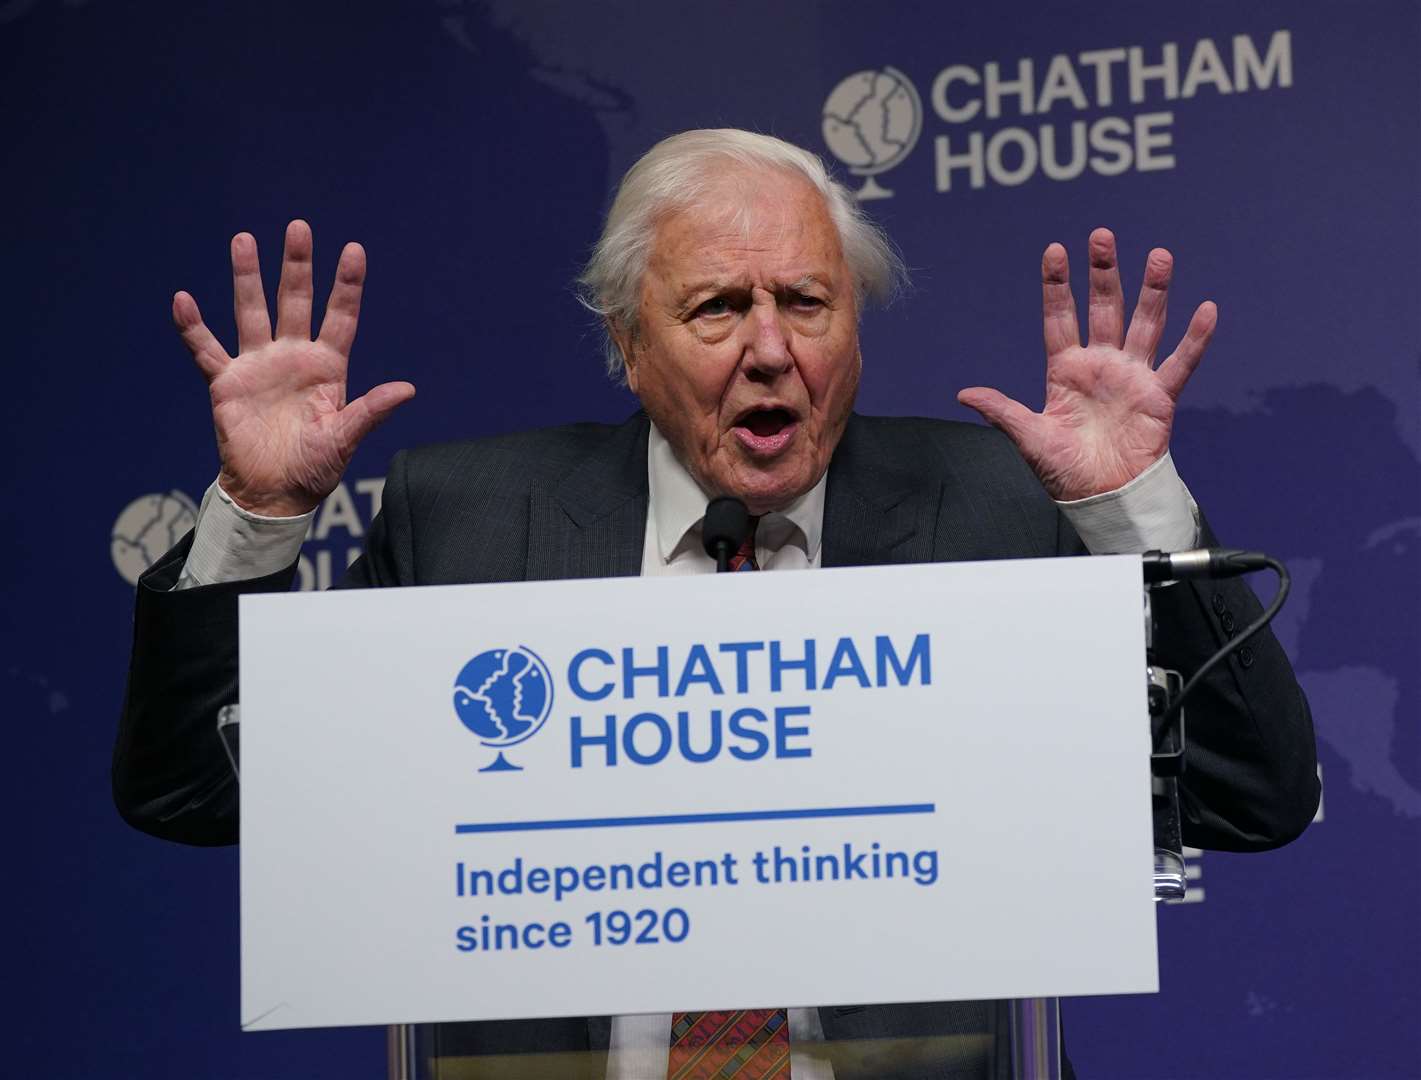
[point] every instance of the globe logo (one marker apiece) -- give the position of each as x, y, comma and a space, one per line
504, 696
146, 528
871, 123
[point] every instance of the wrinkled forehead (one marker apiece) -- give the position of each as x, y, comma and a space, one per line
747, 221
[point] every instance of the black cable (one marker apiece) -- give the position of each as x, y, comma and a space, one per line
1285, 583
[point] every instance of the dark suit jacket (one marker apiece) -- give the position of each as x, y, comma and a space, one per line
572, 502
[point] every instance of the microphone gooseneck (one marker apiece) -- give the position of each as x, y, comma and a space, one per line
726, 526
1214, 563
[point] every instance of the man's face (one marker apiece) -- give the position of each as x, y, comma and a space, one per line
747, 355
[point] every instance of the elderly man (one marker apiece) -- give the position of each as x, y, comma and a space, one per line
730, 276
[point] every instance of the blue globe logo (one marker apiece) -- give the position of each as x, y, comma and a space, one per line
504, 696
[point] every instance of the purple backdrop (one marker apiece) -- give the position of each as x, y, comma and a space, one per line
471, 147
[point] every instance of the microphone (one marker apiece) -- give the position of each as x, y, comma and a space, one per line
1202, 563
726, 526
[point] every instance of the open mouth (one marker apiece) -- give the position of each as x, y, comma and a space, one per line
766, 431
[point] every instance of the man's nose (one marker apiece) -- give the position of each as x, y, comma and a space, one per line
766, 350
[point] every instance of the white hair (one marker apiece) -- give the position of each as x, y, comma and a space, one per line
677, 172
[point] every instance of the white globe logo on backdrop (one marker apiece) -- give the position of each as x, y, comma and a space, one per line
147, 527
871, 123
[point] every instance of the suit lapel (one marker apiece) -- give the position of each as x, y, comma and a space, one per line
876, 511
592, 522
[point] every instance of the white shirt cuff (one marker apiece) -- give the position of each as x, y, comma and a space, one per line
232, 544
1154, 511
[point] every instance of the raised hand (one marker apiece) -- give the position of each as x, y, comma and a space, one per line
285, 431
1108, 410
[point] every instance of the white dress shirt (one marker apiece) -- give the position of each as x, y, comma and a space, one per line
785, 539
1154, 510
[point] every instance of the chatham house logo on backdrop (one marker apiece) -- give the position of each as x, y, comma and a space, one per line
871, 123
146, 528
1006, 122
150, 525
504, 696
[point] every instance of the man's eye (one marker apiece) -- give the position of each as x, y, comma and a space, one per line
803, 300
716, 305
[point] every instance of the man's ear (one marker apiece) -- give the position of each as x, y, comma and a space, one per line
625, 340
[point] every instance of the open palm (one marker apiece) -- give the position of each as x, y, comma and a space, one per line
1108, 409
285, 431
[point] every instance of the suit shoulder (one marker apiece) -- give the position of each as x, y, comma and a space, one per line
952, 445
917, 428
522, 457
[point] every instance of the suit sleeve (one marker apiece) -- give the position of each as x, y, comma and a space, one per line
171, 777
1250, 780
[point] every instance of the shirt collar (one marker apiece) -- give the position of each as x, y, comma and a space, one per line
678, 506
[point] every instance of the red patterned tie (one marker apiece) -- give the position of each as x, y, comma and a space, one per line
744, 557
743, 1044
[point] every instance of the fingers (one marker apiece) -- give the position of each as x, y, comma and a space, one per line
249, 302
361, 416
207, 351
1180, 364
1010, 416
1147, 324
1107, 300
294, 294
343, 307
1058, 308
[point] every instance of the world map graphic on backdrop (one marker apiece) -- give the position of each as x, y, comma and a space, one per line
1361, 679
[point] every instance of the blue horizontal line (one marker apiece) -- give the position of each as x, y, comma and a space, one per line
697, 819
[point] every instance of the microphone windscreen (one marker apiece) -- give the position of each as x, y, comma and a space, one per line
727, 522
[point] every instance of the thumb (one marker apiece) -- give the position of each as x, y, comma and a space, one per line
365, 413
1006, 414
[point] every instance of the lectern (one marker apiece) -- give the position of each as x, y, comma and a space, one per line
562, 802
